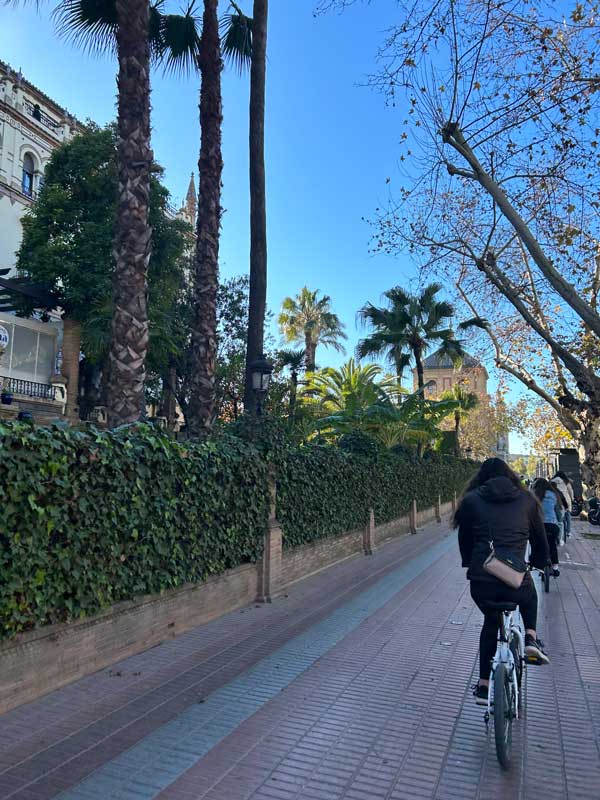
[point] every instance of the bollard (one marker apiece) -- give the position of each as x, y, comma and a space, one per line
369, 534
271, 565
438, 509
413, 517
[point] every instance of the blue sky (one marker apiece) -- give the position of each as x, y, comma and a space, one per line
330, 143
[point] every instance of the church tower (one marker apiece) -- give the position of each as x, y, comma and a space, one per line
189, 209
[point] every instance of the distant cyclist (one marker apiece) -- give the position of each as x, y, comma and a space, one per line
497, 508
552, 513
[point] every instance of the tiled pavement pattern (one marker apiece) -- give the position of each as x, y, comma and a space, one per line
354, 685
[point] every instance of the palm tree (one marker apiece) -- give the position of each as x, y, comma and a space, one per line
359, 397
257, 298
408, 327
353, 397
135, 29
245, 42
309, 319
294, 360
202, 404
466, 402
132, 237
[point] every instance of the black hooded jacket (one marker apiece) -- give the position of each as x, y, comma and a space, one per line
501, 512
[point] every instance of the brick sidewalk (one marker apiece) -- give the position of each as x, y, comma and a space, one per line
355, 684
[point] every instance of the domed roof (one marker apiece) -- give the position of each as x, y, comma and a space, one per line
440, 360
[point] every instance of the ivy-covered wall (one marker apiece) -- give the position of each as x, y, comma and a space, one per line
324, 491
88, 519
91, 518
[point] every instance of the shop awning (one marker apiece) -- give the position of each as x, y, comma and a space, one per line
12, 288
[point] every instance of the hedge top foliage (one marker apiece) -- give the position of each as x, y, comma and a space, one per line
324, 491
89, 518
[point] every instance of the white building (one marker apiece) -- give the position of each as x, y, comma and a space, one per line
31, 127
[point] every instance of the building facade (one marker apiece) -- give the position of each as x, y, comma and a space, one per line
441, 375
32, 125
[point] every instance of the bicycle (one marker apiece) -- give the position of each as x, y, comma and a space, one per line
545, 576
504, 693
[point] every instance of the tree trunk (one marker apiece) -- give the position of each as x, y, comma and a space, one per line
310, 353
258, 213
419, 364
70, 367
89, 379
293, 393
589, 454
132, 237
456, 434
399, 371
202, 406
168, 401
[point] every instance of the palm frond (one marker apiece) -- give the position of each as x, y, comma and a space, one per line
89, 24
427, 296
236, 40
178, 43
294, 359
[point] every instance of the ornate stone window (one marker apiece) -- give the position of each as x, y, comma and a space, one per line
28, 174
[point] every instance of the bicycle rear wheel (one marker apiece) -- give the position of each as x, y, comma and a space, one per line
514, 649
503, 714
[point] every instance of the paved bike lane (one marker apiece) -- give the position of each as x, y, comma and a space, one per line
353, 685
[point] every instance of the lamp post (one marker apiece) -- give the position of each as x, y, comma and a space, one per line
260, 371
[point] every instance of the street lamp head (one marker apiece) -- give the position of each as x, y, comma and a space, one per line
261, 370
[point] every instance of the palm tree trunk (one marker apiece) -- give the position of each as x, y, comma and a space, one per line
202, 406
456, 434
419, 365
168, 403
258, 212
132, 237
293, 395
310, 349
399, 371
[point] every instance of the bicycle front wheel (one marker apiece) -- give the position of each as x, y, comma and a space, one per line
503, 714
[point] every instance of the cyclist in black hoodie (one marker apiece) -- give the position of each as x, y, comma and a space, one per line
496, 507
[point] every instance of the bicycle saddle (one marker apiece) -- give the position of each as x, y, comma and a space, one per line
501, 606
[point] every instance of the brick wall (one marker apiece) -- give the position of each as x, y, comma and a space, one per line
389, 530
310, 558
425, 516
37, 662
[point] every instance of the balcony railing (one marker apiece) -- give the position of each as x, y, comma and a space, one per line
36, 112
20, 388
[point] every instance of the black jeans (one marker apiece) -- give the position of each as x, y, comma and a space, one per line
484, 592
553, 533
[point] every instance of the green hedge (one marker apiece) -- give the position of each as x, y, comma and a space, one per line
91, 518
324, 491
